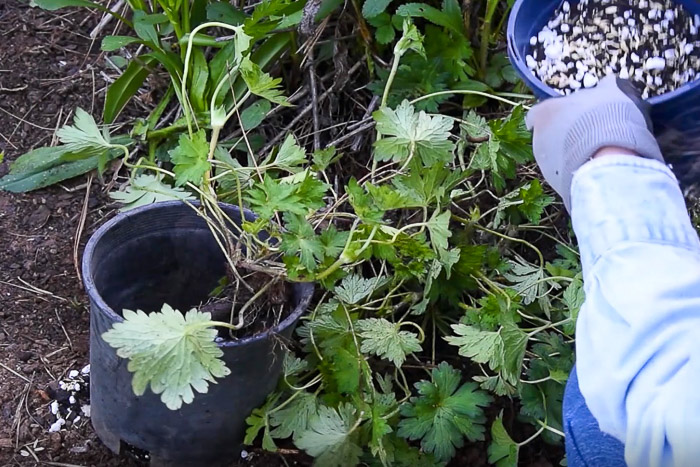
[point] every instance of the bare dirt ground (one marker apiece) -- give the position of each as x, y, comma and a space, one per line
48, 67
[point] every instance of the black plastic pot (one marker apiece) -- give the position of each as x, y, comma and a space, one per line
165, 253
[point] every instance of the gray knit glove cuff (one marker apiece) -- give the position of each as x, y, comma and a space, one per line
568, 131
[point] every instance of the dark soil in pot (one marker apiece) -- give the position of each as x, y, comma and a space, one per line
165, 253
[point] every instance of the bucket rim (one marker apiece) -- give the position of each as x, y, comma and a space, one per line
304, 289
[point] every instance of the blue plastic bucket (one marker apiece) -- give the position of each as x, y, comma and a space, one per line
676, 115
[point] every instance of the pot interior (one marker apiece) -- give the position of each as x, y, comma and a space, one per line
156, 257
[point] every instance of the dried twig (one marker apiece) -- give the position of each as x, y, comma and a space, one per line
305, 29
79, 230
360, 137
106, 19
65, 332
17, 89
2, 365
357, 131
302, 113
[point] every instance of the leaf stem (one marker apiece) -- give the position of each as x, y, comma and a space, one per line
486, 36
421, 339
463, 221
468, 92
342, 259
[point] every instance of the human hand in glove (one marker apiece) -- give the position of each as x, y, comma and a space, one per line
568, 131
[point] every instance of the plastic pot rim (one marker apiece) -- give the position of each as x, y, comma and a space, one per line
95, 296
534, 83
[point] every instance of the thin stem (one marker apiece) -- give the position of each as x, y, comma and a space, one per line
315, 380
421, 339
468, 92
390, 79
188, 54
533, 437
342, 259
250, 302
486, 36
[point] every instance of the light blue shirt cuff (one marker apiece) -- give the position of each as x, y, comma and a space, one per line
638, 332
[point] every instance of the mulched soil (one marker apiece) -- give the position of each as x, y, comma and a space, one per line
48, 67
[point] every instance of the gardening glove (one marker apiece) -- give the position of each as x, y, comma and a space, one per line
569, 130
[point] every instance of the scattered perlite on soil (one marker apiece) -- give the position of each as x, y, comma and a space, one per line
653, 44
70, 399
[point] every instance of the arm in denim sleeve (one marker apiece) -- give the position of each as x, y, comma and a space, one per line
638, 332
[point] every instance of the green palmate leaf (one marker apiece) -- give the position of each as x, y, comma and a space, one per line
330, 437
444, 413
345, 370
190, 158
573, 297
476, 126
259, 420
111, 43
84, 136
270, 196
503, 350
388, 198
494, 310
528, 280
527, 201
363, 204
450, 17
290, 155
294, 419
480, 346
333, 241
509, 145
411, 134
489, 157
385, 32
310, 189
428, 186
323, 158
301, 240
439, 228
372, 8
452, 53
514, 344
172, 352
292, 366
147, 189
533, 201
261, 83
354, 288
385, 339
503, 451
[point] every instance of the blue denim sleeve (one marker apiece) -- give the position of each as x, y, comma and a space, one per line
638, 333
